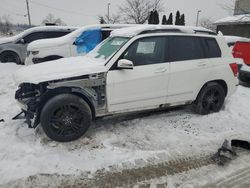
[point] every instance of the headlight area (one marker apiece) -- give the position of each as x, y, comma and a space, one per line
28, 97
35, 52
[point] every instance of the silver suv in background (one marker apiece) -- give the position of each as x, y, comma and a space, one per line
14, 49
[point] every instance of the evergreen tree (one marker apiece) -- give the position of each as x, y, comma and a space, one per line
150, 18
101, 20
182, 20
177, 18
170, 19
164, 20
156, 17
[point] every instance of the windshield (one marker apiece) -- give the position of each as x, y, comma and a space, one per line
108, 47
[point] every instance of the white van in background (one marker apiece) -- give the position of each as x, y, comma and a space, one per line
66, 46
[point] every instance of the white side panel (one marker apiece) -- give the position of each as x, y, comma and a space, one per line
143, 87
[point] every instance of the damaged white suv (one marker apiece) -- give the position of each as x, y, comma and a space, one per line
135, 69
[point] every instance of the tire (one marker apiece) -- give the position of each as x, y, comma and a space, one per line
65, 118
210, 99
10, 57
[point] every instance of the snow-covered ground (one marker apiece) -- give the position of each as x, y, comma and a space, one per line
176, 134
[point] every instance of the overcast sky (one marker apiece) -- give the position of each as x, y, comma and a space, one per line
81, 12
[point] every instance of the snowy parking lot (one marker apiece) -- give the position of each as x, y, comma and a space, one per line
116, 143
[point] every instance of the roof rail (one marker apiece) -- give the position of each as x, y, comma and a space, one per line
161, 31
176, 31
205, 32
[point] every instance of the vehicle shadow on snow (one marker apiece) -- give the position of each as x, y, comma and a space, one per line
245, 84
101, 127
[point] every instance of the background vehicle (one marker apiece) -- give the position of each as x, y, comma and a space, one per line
136, 69
14, 49
241, 50
77, 43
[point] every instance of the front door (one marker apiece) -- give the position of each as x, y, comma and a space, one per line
144, 87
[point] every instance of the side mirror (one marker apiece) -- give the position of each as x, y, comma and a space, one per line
125, 64
21, 41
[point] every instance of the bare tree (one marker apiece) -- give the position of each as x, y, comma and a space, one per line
137, 11
112, 19
5, 24
51, 20
232, 7
207, 23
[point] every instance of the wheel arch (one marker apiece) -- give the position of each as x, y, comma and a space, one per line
12, 51
220, 82
64, 90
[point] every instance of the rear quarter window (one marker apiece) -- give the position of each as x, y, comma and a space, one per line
212, 48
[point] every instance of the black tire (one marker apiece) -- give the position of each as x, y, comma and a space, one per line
65, 118
10, 57
210, 99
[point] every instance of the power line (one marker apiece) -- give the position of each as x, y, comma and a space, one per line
58, 9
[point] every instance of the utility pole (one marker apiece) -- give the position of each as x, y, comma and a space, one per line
108, 11
28, 10
197, 19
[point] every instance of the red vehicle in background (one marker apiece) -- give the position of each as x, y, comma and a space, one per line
242, 50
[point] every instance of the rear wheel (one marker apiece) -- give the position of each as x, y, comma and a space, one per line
10, 57
65, 118
210, 99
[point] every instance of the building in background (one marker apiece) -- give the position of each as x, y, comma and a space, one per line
239, 23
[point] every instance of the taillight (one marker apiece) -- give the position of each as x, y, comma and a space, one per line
234, 68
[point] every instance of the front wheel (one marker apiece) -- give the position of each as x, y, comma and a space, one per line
12, 57
210, 99
65, 118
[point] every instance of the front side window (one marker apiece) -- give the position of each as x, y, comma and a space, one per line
108, 47
146, 51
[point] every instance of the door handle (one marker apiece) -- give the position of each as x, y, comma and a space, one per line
202, 64
161, 70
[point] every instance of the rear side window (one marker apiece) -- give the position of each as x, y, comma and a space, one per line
34, 36
212, 48
183, 48
55, 34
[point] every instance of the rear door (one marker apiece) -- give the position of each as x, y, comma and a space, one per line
189, 67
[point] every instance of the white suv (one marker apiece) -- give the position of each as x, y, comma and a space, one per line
135, 69
77, 43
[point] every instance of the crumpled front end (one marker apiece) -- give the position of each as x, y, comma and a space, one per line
28, 98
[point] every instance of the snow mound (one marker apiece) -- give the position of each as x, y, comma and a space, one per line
234, 19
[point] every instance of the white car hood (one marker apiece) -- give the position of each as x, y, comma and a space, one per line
59, 69
46, 43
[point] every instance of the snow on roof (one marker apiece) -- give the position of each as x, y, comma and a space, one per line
133, 31
40, 28
73, 35
234, 19
233, 39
